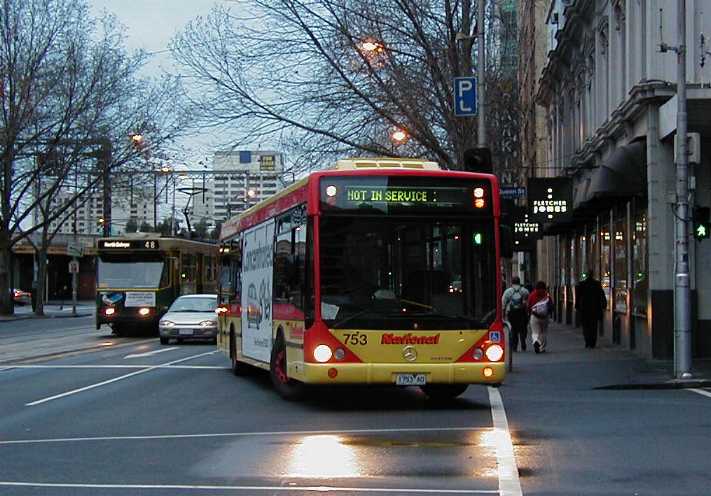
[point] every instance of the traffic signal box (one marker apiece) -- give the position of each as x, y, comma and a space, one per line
702, 224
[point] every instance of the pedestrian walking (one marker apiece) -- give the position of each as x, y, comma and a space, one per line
590, 301
540, 306
515, 304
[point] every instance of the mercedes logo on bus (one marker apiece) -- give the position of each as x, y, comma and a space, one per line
409, 353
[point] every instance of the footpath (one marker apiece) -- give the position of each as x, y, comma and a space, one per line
52, 309
605, 367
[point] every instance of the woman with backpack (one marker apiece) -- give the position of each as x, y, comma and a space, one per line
515, 301
540, 308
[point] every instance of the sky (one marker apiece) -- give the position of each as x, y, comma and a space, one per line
150, 25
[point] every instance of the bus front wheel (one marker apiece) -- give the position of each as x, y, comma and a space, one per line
443, 391
289, 389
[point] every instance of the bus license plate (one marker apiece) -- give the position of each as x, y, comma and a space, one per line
410, 379
185, 332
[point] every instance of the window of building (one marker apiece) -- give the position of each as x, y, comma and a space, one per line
606, 250
640, 262
620, 269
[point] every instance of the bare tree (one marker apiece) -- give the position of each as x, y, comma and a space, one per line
70, 93
334, 77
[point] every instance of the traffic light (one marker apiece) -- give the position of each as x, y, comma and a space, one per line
478, 160
702, 226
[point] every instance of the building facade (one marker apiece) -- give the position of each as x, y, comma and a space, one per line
242, 178
610, 113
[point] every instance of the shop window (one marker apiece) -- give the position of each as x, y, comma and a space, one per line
640, 266
620, 269
605, 265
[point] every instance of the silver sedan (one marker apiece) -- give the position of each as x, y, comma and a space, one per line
190, 317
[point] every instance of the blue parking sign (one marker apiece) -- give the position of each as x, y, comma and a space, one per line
494, 336
465, 96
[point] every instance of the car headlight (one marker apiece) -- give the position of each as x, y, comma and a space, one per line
208, 323
167, 323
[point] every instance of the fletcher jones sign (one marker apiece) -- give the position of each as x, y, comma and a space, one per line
550, 200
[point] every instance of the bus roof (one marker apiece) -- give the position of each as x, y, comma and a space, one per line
298, 192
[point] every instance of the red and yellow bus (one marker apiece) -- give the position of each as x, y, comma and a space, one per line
378, 271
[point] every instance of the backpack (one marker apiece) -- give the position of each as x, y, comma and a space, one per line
541, 308
516, 302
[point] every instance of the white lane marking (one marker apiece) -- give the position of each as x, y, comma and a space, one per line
132, 366
702, 392
242, 434
150, 353
186, 487
115, 379
509, 484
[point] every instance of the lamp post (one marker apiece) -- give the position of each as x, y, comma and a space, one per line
398, 137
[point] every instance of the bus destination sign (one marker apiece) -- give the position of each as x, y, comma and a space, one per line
393, 193
128, 244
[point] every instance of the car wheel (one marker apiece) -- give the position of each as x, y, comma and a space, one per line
164, 340
289, 389
439, 392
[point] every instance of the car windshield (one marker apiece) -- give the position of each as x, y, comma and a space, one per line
407, 273
194, 304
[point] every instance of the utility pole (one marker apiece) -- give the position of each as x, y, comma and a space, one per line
682, 293
481, 79
105, 168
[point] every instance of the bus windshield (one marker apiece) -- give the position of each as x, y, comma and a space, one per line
407, 273
124, 272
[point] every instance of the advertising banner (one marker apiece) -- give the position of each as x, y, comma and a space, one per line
550, 199
257, 276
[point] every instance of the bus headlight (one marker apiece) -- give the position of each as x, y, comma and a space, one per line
144, 311
208, 323
494, 353
109, 311
322, 353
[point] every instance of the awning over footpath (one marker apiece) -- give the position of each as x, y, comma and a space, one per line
622, 175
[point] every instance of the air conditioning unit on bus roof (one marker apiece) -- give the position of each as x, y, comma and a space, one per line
386, 163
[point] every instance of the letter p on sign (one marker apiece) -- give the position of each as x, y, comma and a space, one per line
465, 101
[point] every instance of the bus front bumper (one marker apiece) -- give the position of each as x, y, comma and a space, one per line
387, 373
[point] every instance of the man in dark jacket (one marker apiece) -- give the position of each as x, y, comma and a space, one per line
590, 302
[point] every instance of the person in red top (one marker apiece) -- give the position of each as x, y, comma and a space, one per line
540, 308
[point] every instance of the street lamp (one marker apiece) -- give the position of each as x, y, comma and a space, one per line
399, 137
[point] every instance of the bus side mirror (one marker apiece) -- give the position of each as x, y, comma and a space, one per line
506, 242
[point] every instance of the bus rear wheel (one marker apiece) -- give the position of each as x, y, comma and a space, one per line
289, 389
443, 391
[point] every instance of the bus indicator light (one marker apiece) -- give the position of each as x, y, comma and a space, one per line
488, 372
332, 373
479, 203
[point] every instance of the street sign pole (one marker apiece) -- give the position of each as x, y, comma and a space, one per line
75, 277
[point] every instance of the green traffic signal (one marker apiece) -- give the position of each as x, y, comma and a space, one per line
702, 223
